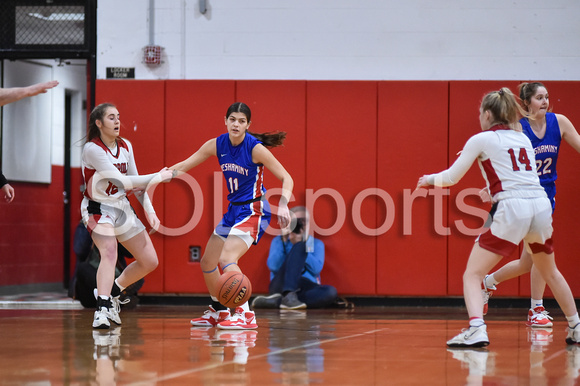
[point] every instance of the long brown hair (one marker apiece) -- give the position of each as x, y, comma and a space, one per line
98, 113
268, 139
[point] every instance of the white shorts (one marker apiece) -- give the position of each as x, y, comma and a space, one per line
517, 219
121, 216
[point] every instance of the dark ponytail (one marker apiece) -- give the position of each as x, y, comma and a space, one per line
271, 138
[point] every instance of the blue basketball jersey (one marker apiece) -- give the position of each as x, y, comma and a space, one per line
545, 149
244, 178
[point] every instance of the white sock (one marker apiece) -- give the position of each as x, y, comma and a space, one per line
573, 320
103, 297
476, 322
119, 285
490, 281
213, 298
245, 307
537, 303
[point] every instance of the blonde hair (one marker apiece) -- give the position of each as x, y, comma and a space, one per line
504, 107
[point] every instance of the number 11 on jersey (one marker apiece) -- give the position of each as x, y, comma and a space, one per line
233, 184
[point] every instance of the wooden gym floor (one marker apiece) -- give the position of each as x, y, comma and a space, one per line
55, 345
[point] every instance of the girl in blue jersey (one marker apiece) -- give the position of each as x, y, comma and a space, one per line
545, 130
242, 156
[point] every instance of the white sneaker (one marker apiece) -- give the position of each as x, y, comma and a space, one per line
241, 320
101, 320
470, 337
114, 311
111, 307
573, 335
210, 318
538, 317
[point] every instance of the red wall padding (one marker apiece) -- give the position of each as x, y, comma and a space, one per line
341, 159
355, 151
411, 257
31, 229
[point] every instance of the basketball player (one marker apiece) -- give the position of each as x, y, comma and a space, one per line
242, 156
110, 172
545, 130
524, 212
13, 94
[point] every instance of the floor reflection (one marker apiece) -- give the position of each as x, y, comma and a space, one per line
156, 345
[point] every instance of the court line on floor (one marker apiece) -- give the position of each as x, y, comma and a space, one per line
253, 357
553, 356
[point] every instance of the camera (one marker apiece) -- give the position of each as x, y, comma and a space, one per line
299, 226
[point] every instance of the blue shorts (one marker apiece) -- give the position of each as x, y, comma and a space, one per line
551, 192
248, 221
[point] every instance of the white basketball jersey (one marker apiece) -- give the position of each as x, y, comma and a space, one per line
100, 166
508, 164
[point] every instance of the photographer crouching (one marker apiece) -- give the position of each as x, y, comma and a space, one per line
295, 261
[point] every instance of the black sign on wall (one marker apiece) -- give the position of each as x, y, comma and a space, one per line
120, 72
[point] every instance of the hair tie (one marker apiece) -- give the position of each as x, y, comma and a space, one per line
500, 92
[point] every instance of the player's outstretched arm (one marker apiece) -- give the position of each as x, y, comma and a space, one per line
568, 131
205, 151
13, 94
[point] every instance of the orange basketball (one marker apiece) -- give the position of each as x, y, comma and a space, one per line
234, 289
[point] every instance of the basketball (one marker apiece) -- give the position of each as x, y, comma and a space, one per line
234, 289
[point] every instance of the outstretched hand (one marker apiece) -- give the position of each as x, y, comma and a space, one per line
41, 88
423, 182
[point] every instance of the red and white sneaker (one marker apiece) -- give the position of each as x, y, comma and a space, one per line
486, 293
211, 318
241, 320
538, 317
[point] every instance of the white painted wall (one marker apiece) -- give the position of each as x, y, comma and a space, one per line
72, 78
326, 40
344, 39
